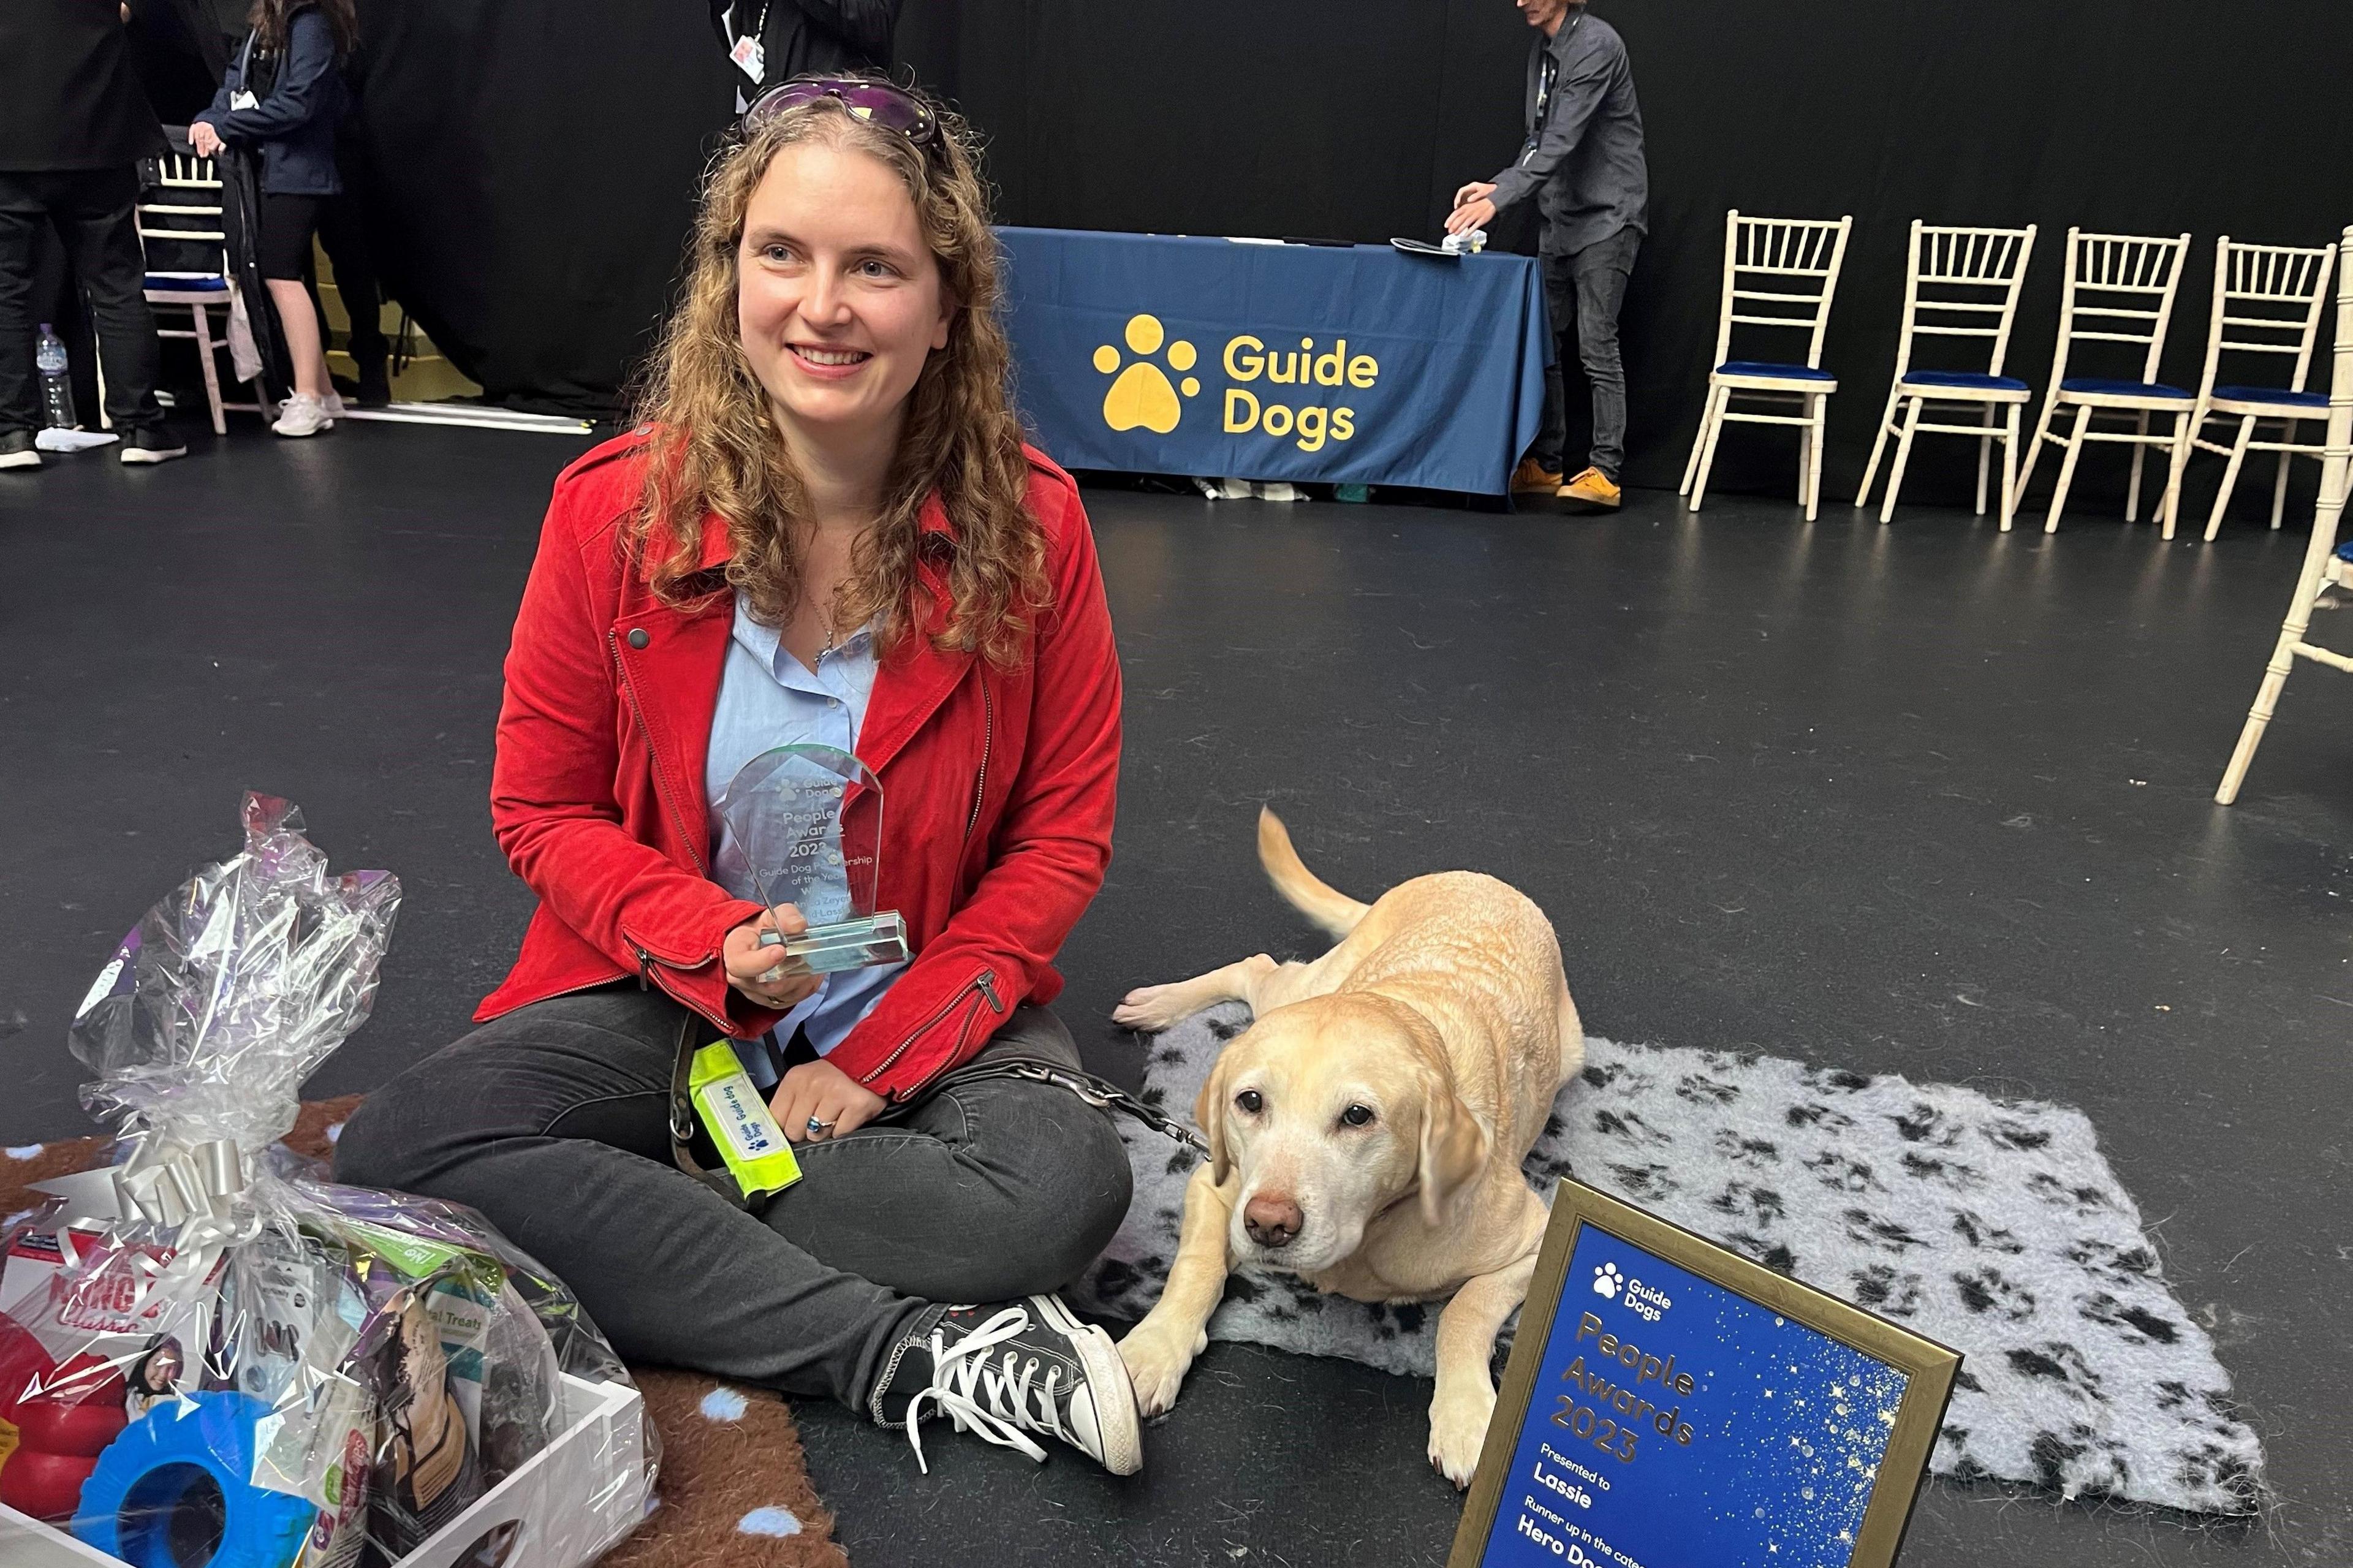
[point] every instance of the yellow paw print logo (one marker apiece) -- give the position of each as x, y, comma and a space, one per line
1142, 395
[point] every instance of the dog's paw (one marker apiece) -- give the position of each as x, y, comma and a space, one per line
1158, 1360
1457, 1430
1152, 1008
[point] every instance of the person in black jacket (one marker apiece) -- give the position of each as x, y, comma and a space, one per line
1583, 162
775, 40
74, 124
284, 94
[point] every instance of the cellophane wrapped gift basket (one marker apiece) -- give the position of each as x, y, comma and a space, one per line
213, 1356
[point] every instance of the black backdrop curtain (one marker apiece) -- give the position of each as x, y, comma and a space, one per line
539, 155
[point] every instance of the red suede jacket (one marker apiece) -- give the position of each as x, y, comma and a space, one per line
1001, 784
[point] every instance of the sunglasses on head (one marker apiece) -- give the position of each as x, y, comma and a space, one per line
877, 102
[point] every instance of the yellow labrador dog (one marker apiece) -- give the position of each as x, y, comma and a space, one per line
1367, 1132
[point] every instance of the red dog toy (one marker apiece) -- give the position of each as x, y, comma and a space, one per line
59, 1432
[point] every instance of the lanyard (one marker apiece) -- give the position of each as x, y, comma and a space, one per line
758, 28
747, 49
1547, 74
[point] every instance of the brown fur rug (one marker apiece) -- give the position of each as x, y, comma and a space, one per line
734, 1488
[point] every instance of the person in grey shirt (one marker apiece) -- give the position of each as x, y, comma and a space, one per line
1582, 162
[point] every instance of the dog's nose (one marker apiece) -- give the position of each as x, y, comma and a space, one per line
1271, 1221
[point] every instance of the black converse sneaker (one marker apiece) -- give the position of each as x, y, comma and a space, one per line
152, 445
1010, 1369
18, 450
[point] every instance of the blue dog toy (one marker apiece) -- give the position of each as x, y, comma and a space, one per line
172, 1493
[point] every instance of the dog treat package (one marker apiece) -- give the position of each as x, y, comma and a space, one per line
210, 1352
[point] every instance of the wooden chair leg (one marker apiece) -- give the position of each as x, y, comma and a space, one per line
2067, 469
1903, 456
1985, 452
2230, 477
2259, 717
1716, 406
2176, 461
2010, 483
1814, 473
2279, 484
2292, 630
1805, 453
1699, 440
212, 371
1871, 469
2041, 428
2140, 451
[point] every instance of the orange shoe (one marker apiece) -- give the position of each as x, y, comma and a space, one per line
1532, 477
1593, 489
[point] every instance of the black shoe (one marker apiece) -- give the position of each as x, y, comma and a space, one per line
152, 445
1013, 1368
376, 386
18, 450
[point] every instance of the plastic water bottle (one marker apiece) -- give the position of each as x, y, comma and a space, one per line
56, 386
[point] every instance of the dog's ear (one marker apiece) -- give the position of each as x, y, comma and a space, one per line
1454, 1148
1209, 1116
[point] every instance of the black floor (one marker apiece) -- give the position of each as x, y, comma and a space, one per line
1924, 799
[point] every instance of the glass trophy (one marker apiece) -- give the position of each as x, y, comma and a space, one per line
786, 840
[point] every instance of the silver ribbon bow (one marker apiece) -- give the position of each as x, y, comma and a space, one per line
187, 1190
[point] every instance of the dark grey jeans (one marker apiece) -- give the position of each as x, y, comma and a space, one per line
92, 211
1589, 286
552, 1121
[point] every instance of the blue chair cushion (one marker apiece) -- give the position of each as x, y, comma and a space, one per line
2094, 383
2273, 394
2345, 551
1758, 367
214, 285
1977, 380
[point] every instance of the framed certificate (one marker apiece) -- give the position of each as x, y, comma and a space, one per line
1670, 1403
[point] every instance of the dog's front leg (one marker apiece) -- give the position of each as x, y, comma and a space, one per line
1160, 1350
1465, 1399
1153, 1008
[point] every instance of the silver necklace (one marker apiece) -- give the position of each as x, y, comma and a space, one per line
825, 614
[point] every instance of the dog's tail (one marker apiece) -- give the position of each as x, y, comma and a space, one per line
1301, 887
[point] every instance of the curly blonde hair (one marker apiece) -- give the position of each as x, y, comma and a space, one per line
713, 446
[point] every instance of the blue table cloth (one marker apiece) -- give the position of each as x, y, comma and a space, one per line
1161, 354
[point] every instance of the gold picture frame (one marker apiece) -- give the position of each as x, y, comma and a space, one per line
1929, 1368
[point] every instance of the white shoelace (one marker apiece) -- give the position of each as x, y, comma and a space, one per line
962, 1377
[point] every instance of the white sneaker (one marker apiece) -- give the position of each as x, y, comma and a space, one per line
333, 404
1013, 1369
304, 415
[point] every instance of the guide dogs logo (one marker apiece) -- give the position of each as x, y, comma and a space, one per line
1311, 424
1142, 395
1645, 1301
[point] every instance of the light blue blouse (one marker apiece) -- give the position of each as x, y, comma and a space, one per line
769, 699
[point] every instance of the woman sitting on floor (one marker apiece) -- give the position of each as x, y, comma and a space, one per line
826, 531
